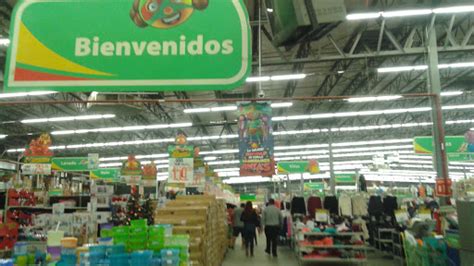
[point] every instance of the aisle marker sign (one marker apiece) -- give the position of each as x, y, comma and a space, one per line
458, 148
298, 167
128, 45
70, 164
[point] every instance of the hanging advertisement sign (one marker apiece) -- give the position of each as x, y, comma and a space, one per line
181, 162
93, 161
314, 186
458, 148
256, 139
345, 178
70, 164
131, 167
199, 178
181, 170
37, 151
36, 169
298, 167
128, 45
108, 174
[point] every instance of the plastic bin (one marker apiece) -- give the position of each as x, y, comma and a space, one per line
139, 223
116, 249
170, 262
141, 257
119, 259
170, 253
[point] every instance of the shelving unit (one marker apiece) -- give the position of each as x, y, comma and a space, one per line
348, 248
383, 240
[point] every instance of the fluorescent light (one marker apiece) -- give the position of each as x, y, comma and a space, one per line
210, 158
453, 9
406, 13
3, 136
451, 93
276, 77
224, 162
281, 105
340, 72
4, 41
358, 16
224, 108
227, 169
270, 10
374, 98
211, 109
119, 129
288, 77
258, 79
401, 69
230, 151
25, 94
456, 65
197, 110
67, 118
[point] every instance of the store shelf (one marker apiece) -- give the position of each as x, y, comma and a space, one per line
335, 246
303, 259
330, 234
43, 208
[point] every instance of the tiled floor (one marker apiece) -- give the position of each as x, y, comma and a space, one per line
286, 257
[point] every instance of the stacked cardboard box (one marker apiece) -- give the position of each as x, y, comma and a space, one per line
203, 218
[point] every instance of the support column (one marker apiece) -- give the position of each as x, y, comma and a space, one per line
332, 180
440, 161
302, 185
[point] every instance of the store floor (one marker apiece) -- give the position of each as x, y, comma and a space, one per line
286, 257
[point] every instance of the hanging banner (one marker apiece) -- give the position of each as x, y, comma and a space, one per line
298, 167
345, 178
108, 174
458, 148
256, 139
93, 161
70, 164
128, 45
181, 162
36, 169
131, 168
199, 178
314, 186
37, 151
150, 172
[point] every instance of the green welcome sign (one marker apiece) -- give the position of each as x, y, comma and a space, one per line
457, 148
107, 174
70, 164
128, 45
345, 178
298, 167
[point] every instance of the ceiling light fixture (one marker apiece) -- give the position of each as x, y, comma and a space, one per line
451, 93
270, 10
374, 99
4, 41
210, 158
411, 12
3, 136
277, 78
67, 118
120, 129
281, 105
423, 67
25, 94
197, 110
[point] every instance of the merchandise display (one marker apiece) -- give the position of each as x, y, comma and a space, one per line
236, 132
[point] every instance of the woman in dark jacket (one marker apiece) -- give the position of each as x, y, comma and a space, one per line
251, 222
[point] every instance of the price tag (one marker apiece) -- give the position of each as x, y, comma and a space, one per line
401, 216
424, 214
322, 216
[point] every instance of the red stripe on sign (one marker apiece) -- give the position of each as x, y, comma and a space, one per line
22, 74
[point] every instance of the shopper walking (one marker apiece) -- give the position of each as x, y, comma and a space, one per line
272, 220
251, 223
238, 225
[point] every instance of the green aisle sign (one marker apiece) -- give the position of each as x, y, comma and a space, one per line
248, 197
298, 167
70, 164
345, 178
128, 45
314, 186
457, 148
107, 174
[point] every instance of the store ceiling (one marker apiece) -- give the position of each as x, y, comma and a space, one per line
341, 60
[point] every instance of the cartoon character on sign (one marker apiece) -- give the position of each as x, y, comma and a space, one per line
39, 146
313, 167
164, 14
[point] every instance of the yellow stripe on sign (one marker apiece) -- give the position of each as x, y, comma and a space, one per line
32, 52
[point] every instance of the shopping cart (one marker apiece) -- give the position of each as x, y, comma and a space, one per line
433, 252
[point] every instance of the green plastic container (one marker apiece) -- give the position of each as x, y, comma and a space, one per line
121, 230
134, 245
121, 239
139, 223
105, 233
138, 231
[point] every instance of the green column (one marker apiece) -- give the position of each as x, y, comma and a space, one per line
434, 86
